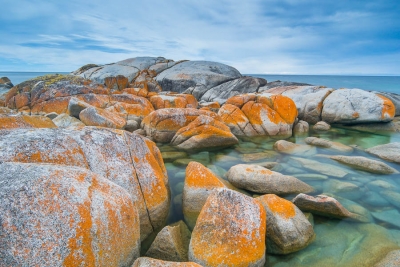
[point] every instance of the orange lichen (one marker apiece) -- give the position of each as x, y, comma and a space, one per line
229, 242
285, 107
240, 100
198, 175
355, 115
278, 206
388, 109
58, 105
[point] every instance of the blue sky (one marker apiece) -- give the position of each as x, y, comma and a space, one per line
269, 37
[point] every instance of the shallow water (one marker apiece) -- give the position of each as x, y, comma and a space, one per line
338, 242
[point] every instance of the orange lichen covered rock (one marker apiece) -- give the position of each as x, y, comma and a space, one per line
261, 180
145, 79
99, 117
199, 183
24, 121
129, 160
130, 107
173, 101
55, 215
230, 231
259, 115
149, 262
204, 132
308, 99
161, 125
287, 227
143, 92
357, 106
116, 83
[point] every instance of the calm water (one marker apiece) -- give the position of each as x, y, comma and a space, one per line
338, 242
376, 83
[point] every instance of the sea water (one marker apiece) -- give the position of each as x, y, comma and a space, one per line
337, 242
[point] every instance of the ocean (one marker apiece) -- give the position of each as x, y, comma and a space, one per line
376, 83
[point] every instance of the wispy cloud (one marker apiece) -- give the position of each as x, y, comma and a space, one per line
274, 36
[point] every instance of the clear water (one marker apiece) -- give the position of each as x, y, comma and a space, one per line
389, 84
338, 242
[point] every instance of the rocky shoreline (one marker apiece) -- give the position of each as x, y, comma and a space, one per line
84, 177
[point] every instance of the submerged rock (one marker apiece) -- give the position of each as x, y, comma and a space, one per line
301, 127
328, 144
287, 227
365, 164
61, 215
391, 216
287, 147
261, 180
389, 152
323, 168
227, 224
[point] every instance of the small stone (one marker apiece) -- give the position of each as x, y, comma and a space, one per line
321, 126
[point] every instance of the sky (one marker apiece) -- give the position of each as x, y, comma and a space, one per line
256, 37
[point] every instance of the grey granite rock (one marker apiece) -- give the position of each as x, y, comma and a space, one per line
389, 152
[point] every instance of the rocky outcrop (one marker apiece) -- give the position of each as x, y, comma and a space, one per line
365, 164
65, 216
261, 180
331, 145
389, 152
204, 133
308, 99
129, 160
171, 243
287, 227
200, 75
162, 124
357, 106
259, 115
229, 222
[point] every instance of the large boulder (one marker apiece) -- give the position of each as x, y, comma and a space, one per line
200, 75
129, 160
395, 98
204, 133
161, 125
55, 215
259, 115
230, 231
351, 106
389, 152
308, 99
287, 227
222, 92
258, 179
199, 184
